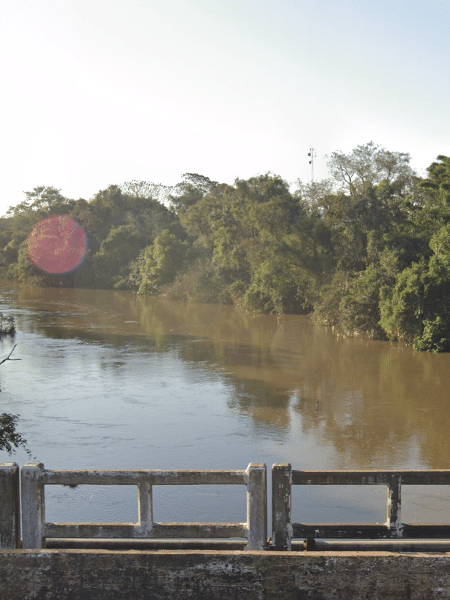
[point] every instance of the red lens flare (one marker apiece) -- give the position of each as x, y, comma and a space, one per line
57, 244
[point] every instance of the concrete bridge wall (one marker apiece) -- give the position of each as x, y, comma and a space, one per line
211, 575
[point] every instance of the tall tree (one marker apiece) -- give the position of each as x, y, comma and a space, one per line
190, 190
371, 185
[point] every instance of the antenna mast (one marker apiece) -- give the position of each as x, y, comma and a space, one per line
312, 153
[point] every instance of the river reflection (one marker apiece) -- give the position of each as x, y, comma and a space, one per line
110, 380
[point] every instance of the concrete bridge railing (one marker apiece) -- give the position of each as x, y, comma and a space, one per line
35, 530
284, 477
22, 500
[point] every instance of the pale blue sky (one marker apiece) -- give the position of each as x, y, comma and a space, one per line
96, 92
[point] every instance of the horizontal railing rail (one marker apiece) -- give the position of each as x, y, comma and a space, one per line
283, 530
35, 530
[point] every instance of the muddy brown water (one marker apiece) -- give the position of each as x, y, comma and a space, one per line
108, 380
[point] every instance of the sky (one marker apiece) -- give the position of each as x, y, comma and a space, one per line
100, 92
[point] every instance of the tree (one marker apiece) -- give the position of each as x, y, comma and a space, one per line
147, 189
367, 166
257, 241
117, 250
432, 207
190, 190
119, 226
438, 181
371, 188
158, 264
45, 200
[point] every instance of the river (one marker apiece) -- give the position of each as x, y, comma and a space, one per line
108, 380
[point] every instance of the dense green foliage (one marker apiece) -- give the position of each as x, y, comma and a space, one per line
10, 438
366, 251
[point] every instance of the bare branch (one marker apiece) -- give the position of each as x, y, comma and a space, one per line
8, 357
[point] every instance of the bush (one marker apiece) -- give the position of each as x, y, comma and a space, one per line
417, 309
200, 282
402, 307
435, 337
360, 307
159, 263
7, 325
351, 303
278, 286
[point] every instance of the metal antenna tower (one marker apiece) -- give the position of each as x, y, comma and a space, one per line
312, 153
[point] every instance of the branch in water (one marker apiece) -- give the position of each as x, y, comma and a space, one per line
8, 357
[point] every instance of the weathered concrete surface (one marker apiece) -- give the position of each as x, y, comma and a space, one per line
9, 506
210, 575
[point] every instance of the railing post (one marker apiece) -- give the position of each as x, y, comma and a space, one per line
33, 508
281, 506
257, 506
9, 506
145, 505
394, 504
